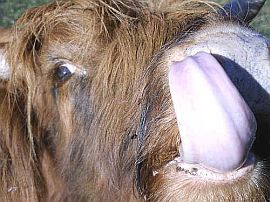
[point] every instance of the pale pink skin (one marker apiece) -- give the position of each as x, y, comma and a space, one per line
204, 96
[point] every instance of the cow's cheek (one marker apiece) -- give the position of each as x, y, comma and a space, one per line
53, 111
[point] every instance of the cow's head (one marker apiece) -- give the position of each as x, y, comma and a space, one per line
135, 100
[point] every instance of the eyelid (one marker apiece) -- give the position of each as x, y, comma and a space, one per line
74, 68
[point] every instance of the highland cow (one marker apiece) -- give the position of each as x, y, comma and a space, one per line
125, 100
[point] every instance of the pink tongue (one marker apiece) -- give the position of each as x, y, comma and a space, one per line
217, 127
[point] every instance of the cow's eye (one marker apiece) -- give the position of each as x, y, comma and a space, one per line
64, 71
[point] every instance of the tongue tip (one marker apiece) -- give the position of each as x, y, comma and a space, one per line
248, 161
219, 157
219, 166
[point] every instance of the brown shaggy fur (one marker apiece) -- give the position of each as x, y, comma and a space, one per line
99, 136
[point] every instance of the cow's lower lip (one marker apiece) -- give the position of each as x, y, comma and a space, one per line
207, 174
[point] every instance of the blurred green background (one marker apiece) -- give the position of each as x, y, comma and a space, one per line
10, 10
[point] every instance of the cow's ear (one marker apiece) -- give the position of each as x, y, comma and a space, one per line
244, 10
5, 39
4, 67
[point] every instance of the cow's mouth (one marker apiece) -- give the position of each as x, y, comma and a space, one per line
217, 127
207, 174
